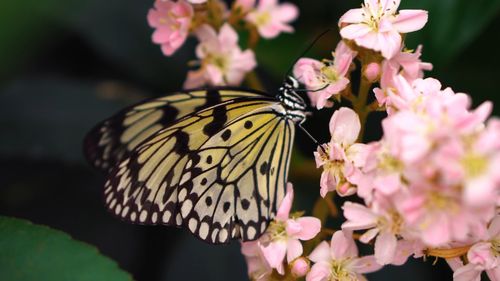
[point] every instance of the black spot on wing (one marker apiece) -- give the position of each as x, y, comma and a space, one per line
226, 207
263, 168
226, 135
248, 124
245, 204
212, 98
208, 201
220, 118
181, 146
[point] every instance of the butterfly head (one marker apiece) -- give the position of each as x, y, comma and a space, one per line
294, 103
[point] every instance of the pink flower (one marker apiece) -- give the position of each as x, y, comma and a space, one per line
343, 156
258, 268
326, 78
404, 65
479, 163
171, 21
383, 221
377, 25
271, 18
282, 237
339, 261
222, 61
439, 215
482, 256
382, 172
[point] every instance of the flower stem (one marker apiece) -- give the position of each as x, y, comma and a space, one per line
252, 81
448, 253
360, 105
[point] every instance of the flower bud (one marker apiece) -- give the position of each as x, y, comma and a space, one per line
372, 71
300, 267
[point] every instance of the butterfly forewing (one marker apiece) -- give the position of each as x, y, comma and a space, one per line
108, 143
219, 172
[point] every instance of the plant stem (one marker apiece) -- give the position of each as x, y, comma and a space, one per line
253, 81
448, 253
360, 105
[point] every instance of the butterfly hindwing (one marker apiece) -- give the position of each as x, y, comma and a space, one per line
239, 195
219, 172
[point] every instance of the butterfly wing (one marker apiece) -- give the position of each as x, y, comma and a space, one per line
220, 172
108, 143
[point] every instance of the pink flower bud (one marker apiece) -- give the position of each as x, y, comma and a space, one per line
300, 267
372, 71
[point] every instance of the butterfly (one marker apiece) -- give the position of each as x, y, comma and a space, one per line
213, 161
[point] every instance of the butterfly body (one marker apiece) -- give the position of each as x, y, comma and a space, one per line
212, 161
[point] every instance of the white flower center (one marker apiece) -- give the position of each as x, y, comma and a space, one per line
393, 223
277, 230
373, 15
474, 164
340, 270
262, 18
495, 246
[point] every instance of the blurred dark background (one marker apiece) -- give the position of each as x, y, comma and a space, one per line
65, 65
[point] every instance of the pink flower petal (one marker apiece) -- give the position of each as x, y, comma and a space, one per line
354, 31
275, 253
294, 250
286, 204
494, 274
385, 247
311, 226
469, 272
358, 217
286, 12
437, 232
390, 43
494, 228
389, 6
227, 36
369, 235
344, 126
327, 183
342, 245
366, 264
319, 272
352, 16
320, 253
410, 20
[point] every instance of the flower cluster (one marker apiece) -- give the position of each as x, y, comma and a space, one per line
430, 183
221, 60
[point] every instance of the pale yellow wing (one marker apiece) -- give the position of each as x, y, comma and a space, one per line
220, 172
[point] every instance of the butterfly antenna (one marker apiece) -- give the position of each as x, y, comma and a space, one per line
307, 50
312, 138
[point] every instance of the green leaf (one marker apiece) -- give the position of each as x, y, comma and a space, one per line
34, 252
453, 25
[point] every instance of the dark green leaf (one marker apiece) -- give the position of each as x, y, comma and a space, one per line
34, 252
